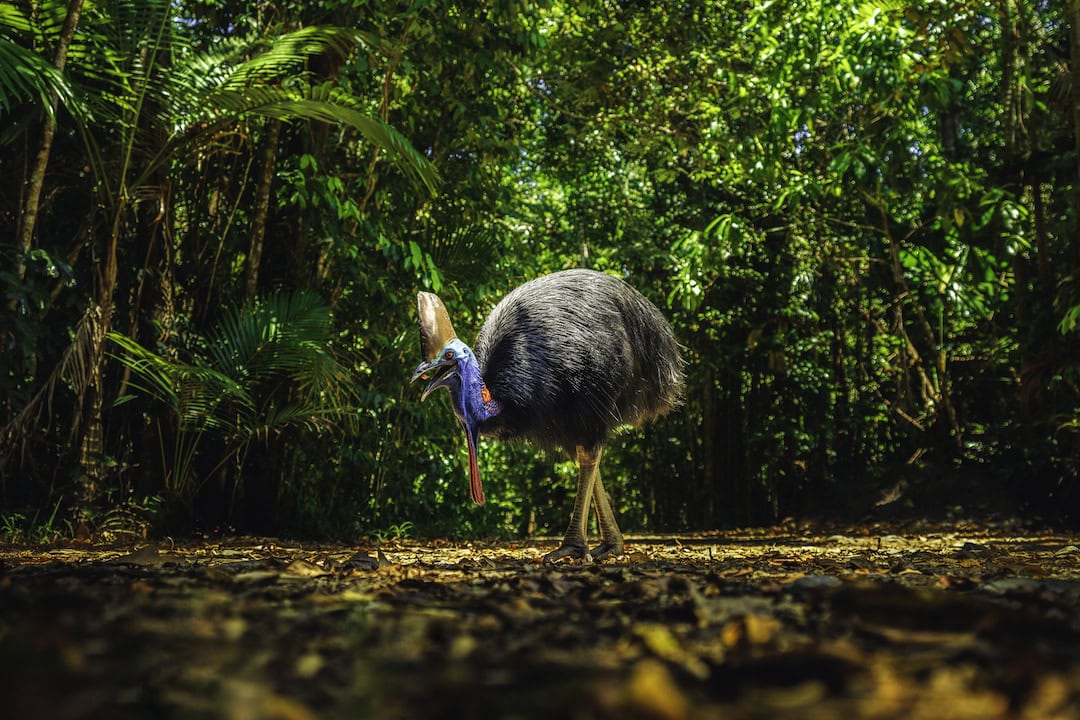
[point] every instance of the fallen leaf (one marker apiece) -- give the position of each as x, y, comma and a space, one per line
651, 692
752, 630
361, 561
144, 556
256, 577
303, 568
308, 665
662, 643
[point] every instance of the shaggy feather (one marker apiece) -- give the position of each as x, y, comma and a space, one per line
572, 356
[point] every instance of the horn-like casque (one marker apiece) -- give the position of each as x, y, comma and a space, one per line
435, 326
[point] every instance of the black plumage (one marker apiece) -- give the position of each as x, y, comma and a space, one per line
573, 355
562, 361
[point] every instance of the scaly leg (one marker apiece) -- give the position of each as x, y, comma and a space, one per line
611, 539
574, 541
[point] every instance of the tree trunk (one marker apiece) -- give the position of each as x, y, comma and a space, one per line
28, 220
1073, 10
92, 446
938, 387
262, 208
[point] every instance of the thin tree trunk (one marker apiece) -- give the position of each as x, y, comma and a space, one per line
92, 446
709, 443
1042, 246
384, 113
262, 208
941, 391
28, 220
1073, 10
1010, 124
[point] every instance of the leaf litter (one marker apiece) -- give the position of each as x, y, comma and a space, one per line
877, 621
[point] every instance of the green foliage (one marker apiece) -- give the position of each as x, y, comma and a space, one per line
25, 75
858, 216
266, 366
18, 527
401, 531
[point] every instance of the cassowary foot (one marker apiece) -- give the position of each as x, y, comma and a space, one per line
606, 550
565, 550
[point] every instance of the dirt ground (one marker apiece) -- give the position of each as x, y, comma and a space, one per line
886, 621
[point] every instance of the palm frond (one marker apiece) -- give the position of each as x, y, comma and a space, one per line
12, 18
283, 56
271, 366
384, 136
124, 68
285, 340
140, 27
311, 416
325, 103
27, 76
273, 334
210, 400
201, 398
466, 251
145, 74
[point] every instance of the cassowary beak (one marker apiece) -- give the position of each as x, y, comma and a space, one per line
441, 371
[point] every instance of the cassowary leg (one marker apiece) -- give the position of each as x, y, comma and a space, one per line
611, 540
574, 541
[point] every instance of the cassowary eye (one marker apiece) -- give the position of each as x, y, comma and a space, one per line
448, 355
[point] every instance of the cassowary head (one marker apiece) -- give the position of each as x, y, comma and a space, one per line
449, 363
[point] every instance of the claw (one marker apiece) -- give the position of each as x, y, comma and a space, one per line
574, 551
605, 550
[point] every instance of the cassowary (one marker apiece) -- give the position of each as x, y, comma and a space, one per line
561, 361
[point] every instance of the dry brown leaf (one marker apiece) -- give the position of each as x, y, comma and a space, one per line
304, 569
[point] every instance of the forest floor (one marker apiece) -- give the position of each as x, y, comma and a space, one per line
883, 621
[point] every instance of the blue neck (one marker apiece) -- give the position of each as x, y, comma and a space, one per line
468, 398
